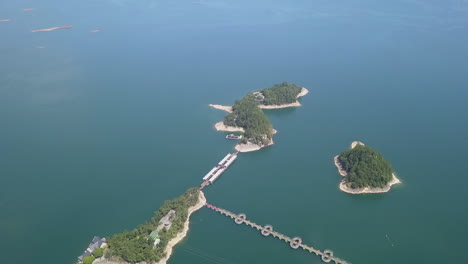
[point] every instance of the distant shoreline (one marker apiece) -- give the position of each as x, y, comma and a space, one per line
344, 188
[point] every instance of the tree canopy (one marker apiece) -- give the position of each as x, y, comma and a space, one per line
366, 167
136, 245
88, 260
284, 93
98, 252
247, 114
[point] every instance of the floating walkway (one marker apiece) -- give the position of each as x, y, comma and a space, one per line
295, 242
214, 173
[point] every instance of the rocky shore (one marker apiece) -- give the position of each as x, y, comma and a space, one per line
347, 189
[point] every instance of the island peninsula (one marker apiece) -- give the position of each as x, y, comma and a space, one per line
364, 170
153, 241
246, 115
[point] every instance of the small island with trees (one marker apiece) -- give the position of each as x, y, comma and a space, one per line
152, 242
364, 170
246, 115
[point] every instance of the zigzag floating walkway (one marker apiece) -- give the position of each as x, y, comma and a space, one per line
295, 243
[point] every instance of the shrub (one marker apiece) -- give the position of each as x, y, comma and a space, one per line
88, 259
98, 252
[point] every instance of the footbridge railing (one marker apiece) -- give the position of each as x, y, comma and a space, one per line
267, 230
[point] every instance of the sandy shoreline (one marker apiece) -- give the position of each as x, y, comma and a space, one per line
249, 147
345, 188
295, 104
226, 108
220, 126
303, 92
181, 235
355, 143
173, 242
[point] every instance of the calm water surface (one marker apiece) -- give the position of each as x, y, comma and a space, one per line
98, 129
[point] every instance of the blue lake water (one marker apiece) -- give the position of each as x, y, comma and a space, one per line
98, 129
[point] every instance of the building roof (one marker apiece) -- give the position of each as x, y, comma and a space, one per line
84, 255
96, 243
154, 235
92, 247
97, 239
167, 219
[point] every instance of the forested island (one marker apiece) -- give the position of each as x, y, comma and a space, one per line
364, 170
246, 115
152, 241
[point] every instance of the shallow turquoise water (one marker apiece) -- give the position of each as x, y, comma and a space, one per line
99, 129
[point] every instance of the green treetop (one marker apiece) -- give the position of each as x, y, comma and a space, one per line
365, 167
136, 246
248, 115
88, 260
284, 93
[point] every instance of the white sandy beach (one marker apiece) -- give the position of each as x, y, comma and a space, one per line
249, 147
220, 126
303, 92
355, 143
345, 188
226, 108
295, 104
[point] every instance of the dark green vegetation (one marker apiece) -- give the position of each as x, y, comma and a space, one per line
98, 252
366, 167
88, 259
136, 246
284, 93
247, 115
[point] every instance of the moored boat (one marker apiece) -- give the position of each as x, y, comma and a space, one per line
235, 137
